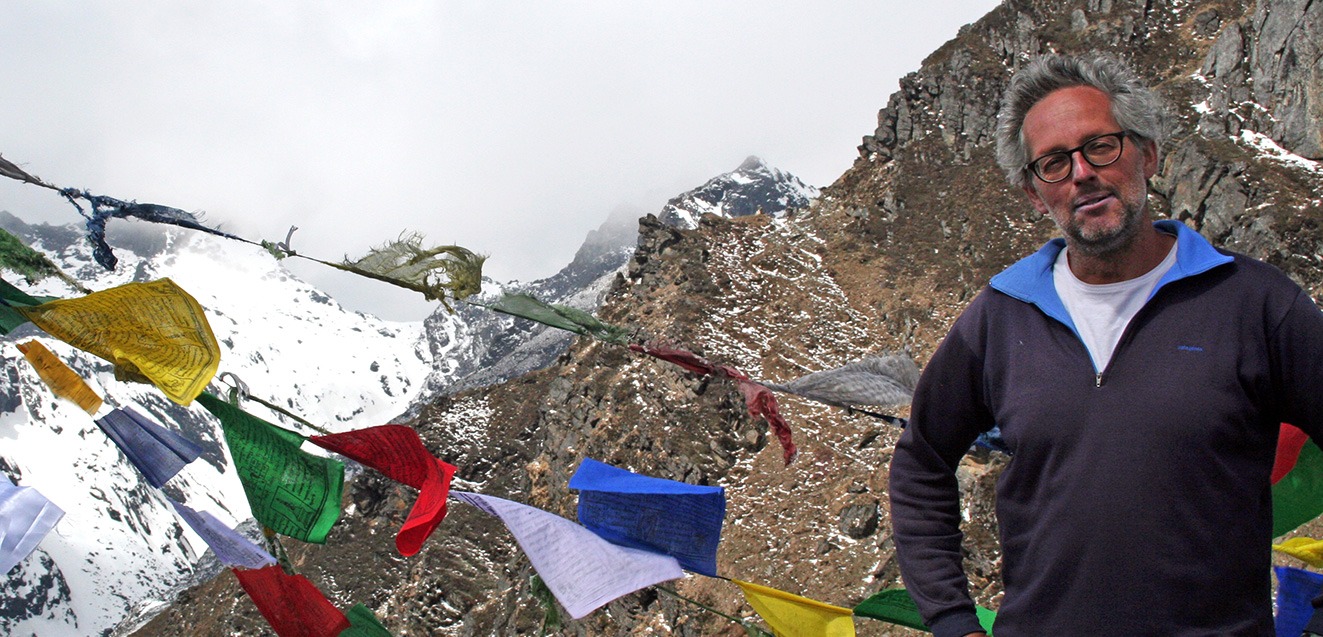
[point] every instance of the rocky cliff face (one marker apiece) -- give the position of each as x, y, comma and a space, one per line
885, 259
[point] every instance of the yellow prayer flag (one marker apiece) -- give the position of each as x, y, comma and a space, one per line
794, 616
62, 380
1306, 549
153, 332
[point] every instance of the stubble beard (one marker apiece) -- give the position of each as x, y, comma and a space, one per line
1106, 241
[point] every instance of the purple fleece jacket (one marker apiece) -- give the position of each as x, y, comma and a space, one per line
1137, 501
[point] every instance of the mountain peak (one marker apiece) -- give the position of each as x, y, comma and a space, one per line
752, 188
753, 162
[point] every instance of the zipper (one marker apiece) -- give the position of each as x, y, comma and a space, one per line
1098, 379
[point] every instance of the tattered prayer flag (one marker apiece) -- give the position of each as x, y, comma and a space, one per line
231, 548
1298, 497
1305, 549
1296, 590
662, 516
760, 401
291, 604
431, 271
292, 492
105, 208
26, 516
398, 453
794, 616
157, 452
1290, 440
61, 380
151, 331
582, 570
33, 266
895, 605
363, 623
559, 316
882, 381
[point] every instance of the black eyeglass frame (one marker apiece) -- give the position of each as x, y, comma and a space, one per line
1120, 136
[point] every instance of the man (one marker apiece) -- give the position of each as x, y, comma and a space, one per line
1139, 377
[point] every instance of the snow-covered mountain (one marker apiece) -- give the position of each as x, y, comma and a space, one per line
475, 347
120, 548
752, 188
120, 545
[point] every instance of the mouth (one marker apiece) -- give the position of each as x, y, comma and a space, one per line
1092, 202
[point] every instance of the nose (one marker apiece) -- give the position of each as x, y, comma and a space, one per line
1081, 169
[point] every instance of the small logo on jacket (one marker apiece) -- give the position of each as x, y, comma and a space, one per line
1189, 348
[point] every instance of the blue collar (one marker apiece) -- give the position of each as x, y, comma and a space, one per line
1030, 278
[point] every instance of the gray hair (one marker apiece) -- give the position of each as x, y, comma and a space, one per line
1134, 106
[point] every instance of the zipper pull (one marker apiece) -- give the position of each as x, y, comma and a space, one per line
1097, 380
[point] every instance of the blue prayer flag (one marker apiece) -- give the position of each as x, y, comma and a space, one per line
157, 452
1296, 590
230, 547
652, 514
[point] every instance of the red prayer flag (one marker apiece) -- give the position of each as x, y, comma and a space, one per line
759, 400
1290, 440
398, 453
291, 604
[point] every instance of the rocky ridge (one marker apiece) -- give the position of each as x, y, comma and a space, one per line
884, 260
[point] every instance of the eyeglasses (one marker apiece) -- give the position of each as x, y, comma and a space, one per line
1100, 151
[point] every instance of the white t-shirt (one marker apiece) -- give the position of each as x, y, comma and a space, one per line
1102, 311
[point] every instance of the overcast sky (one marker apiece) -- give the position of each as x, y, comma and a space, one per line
511, 128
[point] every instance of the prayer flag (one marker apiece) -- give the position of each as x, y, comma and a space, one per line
582, 570
1298, 497
1290, 441
652, 514
896, 606
760, 401
231, 548
291, 604
398, 453
794, 616
877, 380
560, 316
157, 452
33, 266
363, 623
431, 271
26, 516
1296, 590
150, 331
892, 605
12, 298
62, 381
292, 492
1305, 549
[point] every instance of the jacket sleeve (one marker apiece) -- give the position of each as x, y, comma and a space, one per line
947, 415
1298, 370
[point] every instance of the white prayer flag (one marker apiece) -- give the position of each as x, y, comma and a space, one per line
583, 571
26, 516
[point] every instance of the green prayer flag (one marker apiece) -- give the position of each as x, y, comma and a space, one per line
892, 605
291, 492
11, 297
33, 266
560, 316
895, 605
1298, 497
363, 623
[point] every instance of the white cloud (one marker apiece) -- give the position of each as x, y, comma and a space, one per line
512, 128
